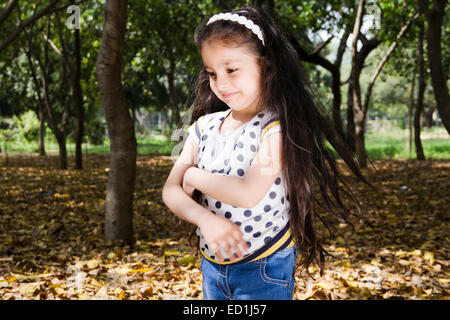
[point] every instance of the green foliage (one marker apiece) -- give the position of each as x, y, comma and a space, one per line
95, 131
20, 130
27, 126
161, 32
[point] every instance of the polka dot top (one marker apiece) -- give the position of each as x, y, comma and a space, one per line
265, 226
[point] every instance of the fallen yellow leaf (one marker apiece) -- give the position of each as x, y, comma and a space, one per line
429, 257
171, 253
96, 283
12, 279
325, 285
403, 262
92, 264
345, 264
376, 262
22, 276
187, 260
141, 270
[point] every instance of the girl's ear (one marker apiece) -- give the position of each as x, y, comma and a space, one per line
262, 63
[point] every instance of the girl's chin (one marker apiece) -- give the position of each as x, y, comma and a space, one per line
234, 106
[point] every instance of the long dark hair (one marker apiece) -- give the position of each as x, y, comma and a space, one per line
306, 159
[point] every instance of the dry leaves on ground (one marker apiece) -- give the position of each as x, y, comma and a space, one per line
52, 243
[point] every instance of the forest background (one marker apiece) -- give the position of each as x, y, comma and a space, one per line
93, 93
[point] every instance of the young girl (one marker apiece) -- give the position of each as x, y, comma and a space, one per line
254, 151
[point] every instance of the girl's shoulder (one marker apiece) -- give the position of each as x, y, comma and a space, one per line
270, 123
196, 128
268, 117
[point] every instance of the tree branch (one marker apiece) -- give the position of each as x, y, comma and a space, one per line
7, 10
48, 9
321, 46
383, 61
26, 23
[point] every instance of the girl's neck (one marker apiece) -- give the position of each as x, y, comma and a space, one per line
243, 116
235, 119
240, 117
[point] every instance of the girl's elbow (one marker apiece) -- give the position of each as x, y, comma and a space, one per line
165, 193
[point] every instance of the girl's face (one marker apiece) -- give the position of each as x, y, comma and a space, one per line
234, 75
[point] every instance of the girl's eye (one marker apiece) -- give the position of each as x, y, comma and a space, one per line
212, 74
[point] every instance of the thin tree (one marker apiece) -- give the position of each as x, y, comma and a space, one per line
420, 93
333, 68
361, 106
411, 107
439, 75
358, 112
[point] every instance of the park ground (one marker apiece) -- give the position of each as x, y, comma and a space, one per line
52, 243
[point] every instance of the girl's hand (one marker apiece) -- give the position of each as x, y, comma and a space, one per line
187, 187
221, 233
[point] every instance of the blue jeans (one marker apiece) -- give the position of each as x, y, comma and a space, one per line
269, 278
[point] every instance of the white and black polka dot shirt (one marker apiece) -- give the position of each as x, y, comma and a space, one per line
265, 226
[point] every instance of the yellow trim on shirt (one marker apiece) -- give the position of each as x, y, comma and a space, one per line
266, 253
273, 124
200, 126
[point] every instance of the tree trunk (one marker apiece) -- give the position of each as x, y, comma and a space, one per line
41, 112
41, 142
58, 132
336, 86
79, 104
350, 138
173, 95
333, 68
411, 107
360, 122
58, 126
122, 173
165, 121
61, 138
421, 91
356, 96
73, 75
385, 59
428, 114
438, 73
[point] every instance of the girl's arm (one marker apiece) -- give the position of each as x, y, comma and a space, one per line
241, 192
218, 232
180, 203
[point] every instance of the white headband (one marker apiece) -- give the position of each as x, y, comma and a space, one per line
239, 19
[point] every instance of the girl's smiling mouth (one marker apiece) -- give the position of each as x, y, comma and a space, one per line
228, 95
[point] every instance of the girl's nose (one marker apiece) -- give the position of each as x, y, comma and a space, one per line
222, 83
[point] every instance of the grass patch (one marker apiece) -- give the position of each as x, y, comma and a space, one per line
392, 144
381, 144
147, 145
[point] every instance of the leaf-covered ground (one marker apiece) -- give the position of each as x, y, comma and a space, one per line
52, 243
